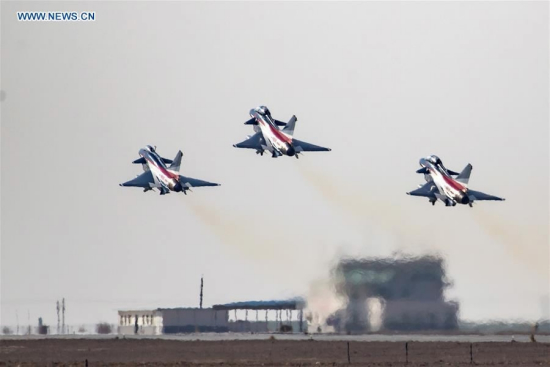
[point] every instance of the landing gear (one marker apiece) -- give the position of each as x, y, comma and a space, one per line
471, 205
260, 152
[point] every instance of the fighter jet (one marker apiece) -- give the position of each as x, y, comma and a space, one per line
440, 185
273, 139
163, 178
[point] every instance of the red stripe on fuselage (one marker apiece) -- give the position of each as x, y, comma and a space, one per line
455, 185
278, 134
164, 170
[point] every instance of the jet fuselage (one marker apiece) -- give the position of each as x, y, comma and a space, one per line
277, 142
159, 170
450, 191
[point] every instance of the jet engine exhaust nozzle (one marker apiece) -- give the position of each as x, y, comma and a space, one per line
465, 199
290, 151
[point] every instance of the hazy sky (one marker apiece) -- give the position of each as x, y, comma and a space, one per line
381, 83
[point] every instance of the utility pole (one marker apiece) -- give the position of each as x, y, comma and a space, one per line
201, 292
63, 316
17, 319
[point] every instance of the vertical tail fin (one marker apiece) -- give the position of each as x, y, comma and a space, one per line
175, 166
289, 128
464, 176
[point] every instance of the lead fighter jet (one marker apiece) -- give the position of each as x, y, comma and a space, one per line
163, 178
440, 185
276, 141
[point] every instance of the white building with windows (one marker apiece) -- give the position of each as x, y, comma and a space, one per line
215, 319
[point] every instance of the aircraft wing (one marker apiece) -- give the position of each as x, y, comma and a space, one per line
477, 195
302, 146
428, 190
193, 182
254, 142
142, 180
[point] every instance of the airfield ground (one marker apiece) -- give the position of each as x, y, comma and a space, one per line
155, 352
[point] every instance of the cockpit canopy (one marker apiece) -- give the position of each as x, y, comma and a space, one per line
150, 148
263, 110
435, 160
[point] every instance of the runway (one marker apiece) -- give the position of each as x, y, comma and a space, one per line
465, 338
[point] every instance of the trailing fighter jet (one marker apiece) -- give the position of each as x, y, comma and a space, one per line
276, 141
440, 185
157, 175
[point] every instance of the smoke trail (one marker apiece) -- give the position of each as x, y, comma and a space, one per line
529, 245
365, 208
233, 230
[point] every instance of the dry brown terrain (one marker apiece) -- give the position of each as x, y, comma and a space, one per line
150, 352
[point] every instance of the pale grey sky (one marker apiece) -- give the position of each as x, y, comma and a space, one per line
381, 83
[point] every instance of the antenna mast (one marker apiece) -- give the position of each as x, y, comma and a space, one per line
63, 316
201, 292
57, 307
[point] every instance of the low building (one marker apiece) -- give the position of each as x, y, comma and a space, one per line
172, 320
288, 318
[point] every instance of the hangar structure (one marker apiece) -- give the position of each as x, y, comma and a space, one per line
171, 321
288, 318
